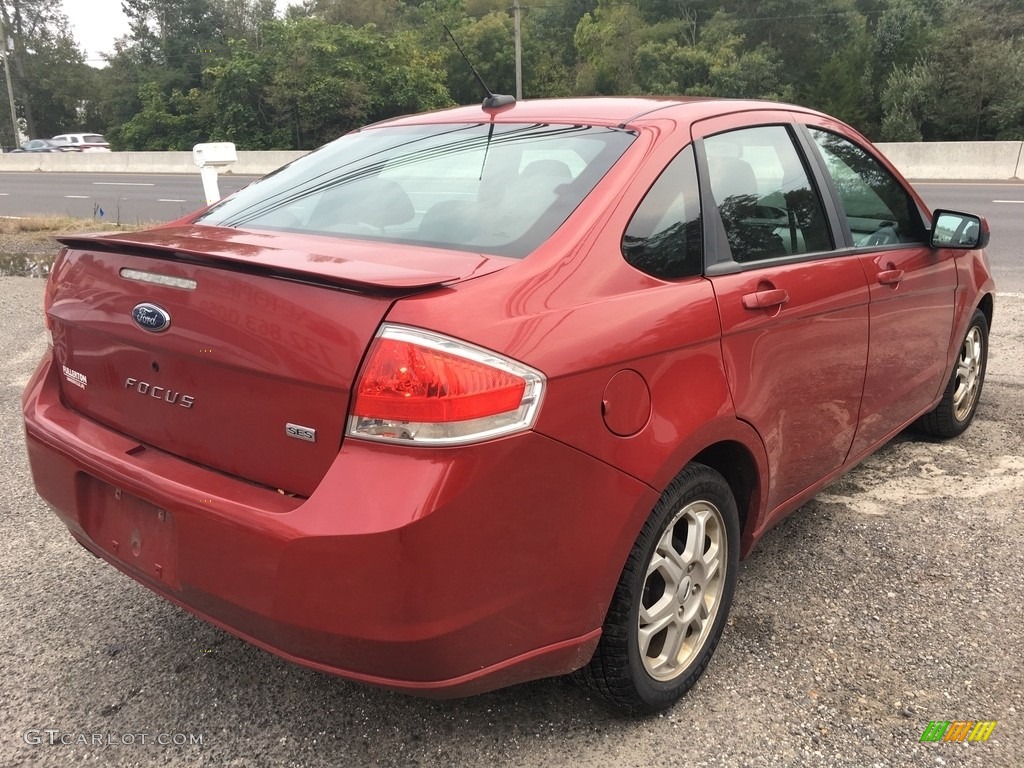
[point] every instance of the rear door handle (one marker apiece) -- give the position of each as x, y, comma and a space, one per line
890, 276
765, 299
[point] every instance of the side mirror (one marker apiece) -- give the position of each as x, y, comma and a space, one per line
951, 229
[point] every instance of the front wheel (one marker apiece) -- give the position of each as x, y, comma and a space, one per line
672, 599
959, 402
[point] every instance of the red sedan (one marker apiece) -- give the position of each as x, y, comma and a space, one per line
479, 396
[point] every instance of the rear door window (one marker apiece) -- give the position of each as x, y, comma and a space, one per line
767, 203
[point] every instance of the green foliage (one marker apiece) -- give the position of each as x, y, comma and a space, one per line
164, 122
490, 43
908, 99
607, 41
294, 83
199, 70
622, 54
977, 85
311, 81
48, 71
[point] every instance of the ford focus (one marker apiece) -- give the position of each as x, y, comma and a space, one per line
485, 395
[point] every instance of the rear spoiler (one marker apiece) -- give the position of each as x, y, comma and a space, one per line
354, 264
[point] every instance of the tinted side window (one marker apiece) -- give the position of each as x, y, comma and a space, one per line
878, 209
768, 205
664, 236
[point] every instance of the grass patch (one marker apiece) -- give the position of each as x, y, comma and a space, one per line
47, 226
28, 247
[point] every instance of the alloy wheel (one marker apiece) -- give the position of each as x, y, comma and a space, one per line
682, 590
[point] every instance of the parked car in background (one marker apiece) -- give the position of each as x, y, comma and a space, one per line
489, 394
83, 142
43, 145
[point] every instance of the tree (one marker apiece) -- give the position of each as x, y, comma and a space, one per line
48, 71
165, 122
384, 15
804, 34
607, 41
843, 85
305, 84
908, 99
159, 67
489, 42
226, 69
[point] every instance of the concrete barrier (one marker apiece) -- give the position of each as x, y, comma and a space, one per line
249, 163
978, 160
261, 163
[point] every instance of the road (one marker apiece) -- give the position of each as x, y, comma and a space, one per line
133, 198
1003, 205
122, 197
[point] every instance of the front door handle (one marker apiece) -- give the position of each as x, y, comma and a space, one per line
890, 276
775, 297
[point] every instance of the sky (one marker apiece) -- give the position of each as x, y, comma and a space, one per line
95, 25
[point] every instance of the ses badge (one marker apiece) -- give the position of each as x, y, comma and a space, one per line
300, 432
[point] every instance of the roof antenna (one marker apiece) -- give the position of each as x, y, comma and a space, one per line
492, 100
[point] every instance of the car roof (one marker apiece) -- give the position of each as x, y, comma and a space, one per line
83, 135
610, 111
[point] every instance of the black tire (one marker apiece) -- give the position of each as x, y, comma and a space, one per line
638, 677
959, 403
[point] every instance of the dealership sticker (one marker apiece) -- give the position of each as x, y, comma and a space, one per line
76, 378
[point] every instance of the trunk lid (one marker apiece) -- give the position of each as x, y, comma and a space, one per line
233, 350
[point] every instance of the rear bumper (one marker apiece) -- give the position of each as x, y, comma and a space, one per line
440, 572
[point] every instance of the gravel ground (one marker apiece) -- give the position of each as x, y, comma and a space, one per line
892, 599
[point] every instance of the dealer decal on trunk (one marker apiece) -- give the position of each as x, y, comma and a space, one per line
76, 378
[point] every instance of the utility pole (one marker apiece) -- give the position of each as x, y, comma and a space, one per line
519, 52
9, 46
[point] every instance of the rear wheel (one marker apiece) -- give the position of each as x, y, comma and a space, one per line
671, 602
959, 402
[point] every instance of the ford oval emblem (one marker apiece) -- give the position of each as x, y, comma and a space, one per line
150, 317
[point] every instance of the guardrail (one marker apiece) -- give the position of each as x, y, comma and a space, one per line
977, 160
248, 163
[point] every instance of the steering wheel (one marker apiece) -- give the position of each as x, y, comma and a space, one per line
885, 235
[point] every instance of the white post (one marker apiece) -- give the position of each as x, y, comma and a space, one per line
210, 187
210, 158
8, 45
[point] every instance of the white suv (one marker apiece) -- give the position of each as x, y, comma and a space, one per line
84, 142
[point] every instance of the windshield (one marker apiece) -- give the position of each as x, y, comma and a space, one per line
490, 188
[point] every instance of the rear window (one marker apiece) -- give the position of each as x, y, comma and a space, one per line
489, 188
93, 138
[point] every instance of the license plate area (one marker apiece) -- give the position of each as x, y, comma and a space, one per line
134, 532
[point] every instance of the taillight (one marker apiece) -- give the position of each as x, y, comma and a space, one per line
424, 388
